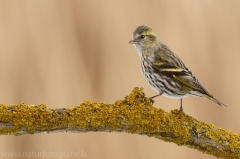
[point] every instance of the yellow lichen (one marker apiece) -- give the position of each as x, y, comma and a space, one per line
133, 114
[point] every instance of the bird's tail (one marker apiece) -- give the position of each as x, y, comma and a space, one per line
213, 99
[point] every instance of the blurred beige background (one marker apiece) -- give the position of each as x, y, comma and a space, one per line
61, 53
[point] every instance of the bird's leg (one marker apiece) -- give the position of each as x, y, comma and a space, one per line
154, 97
181, 108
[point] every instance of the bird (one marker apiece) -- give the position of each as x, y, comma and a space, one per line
163, 70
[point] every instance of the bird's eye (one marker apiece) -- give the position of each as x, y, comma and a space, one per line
142, 36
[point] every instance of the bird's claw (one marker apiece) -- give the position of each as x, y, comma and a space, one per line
181, 108
152, 101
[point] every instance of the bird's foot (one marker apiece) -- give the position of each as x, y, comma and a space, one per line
181, 109
152, 101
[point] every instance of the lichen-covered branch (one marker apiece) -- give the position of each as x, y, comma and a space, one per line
134, 114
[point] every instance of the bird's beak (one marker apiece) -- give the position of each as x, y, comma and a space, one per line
133, 41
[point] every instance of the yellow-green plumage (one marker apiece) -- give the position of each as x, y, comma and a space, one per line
164, 70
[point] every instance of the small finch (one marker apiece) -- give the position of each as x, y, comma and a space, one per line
164, 71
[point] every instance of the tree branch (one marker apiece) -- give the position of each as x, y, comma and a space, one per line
134, 114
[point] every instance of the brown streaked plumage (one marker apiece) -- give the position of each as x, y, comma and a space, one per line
164, 71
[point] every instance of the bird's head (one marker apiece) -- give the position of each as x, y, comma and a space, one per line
143, 38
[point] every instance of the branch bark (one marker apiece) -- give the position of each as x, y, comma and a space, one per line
134, 114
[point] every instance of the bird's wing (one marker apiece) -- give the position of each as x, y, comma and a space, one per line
181, 75
164, 61
185, 77
169, 64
